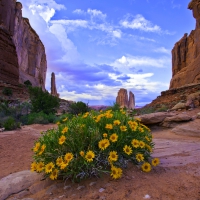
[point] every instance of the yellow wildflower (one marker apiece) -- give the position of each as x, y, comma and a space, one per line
108, 115
116, 122
49, 167
155, 162
62, 139
114, 137
123, 128
149, 148
64, 130
103, 144
89, 156
54, 174
59, 161
138, 119
105, 135
127, 149
64, 120
109, 126
113, 156
33, 166
141, 129
147, 138
86, 114
139, 157
142, 144
69, 157
116, 172
64, 164
37, 146
146, 167
40, 167
135, 143
58, 123
82, 153
43, 147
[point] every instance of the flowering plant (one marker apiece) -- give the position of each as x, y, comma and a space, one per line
95, 142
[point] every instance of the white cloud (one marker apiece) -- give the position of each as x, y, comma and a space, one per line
79, 11
128, 62
117, 33
140, 23
71, 53
162, 50
96, 13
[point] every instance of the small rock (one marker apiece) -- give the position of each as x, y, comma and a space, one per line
67, 187
146, 196
101, 189
80, 187
92, 183
51, 189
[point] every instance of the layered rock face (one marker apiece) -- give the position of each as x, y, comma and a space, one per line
9, 68
53, 85
186, 54
123, 101
29, 48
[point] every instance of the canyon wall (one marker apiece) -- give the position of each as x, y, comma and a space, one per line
186, 54
30, 50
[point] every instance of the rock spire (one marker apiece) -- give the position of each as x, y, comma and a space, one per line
123, 101
53, 85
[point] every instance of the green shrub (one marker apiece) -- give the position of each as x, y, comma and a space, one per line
7, 91
93, 143
38, 118
115, 107
11, 124
42, 101
78, 108
27, 83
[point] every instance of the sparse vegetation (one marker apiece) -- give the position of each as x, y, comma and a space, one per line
27, 83
42, 101
7, 91
78, 108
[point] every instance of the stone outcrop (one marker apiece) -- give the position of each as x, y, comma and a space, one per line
29, 48
123, 100
9, 68
131, 101
53, 85
186, 54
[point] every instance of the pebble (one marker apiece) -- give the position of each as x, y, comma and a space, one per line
80, 187
92, 183
101, 189
146, 196
67, 187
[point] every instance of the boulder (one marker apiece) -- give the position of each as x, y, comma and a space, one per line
154, 118
178, 106
175, 120
17, 182
189, 129
186, 54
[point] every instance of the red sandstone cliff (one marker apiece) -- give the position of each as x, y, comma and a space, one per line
186, 54
32, 64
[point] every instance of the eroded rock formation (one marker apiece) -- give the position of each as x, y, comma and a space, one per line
9, 69
29, 48
186, 54
123, 100
53, 85
131, 101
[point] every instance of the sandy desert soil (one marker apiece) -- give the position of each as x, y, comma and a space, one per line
176, 178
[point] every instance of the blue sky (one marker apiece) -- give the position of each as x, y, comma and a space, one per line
96, 47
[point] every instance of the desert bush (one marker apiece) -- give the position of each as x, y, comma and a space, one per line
162, 108
114, 107
78, 108
42, 101
93, 143
27, 83
11, 124
146, 110
7, 91
38, 118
